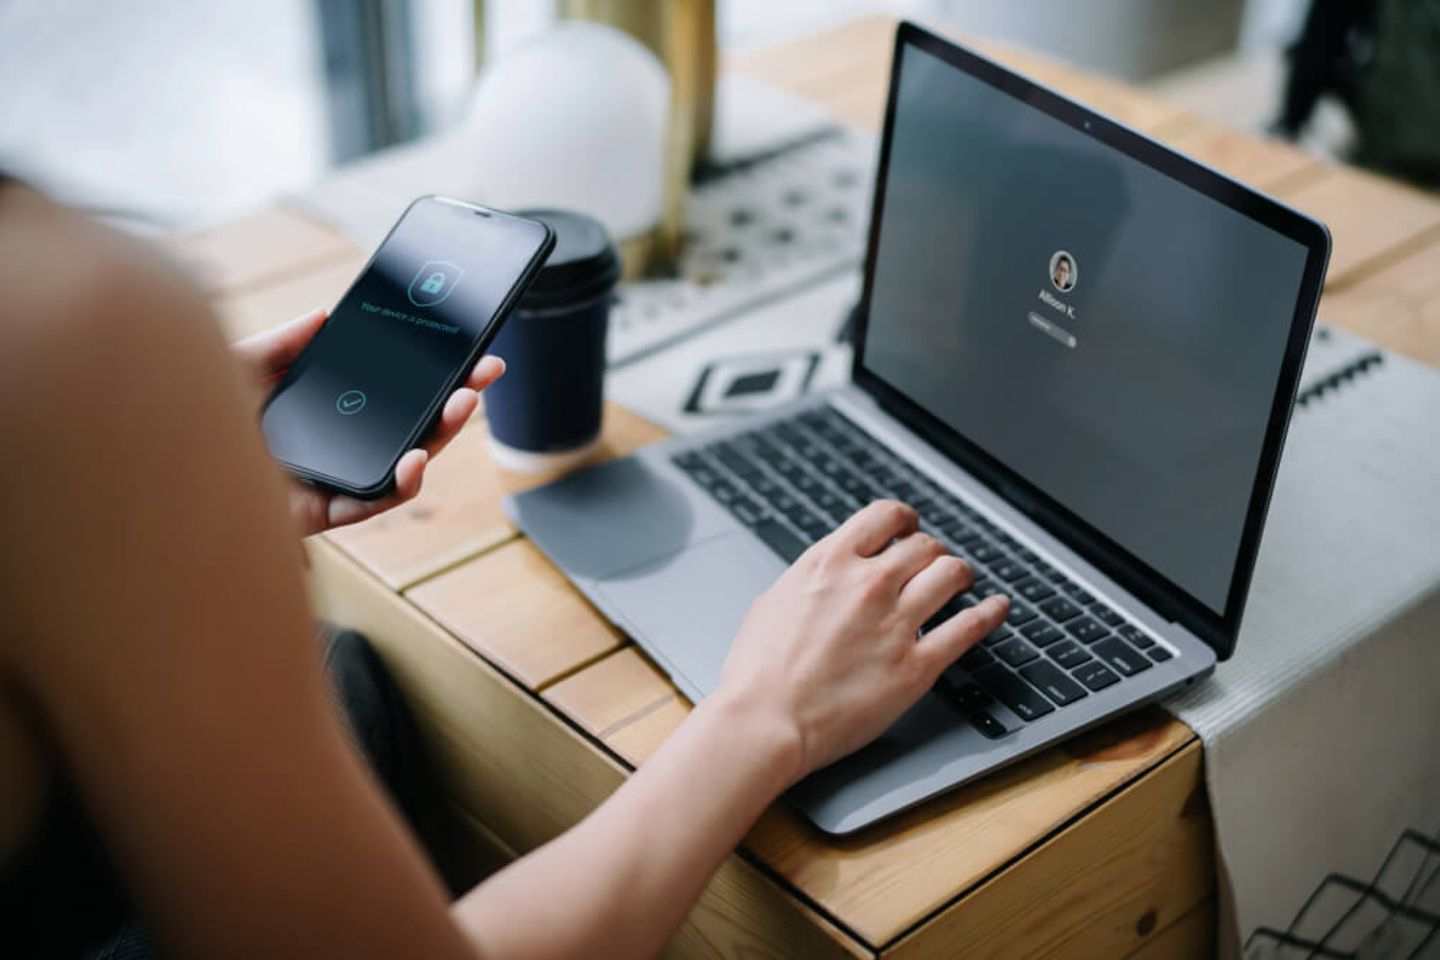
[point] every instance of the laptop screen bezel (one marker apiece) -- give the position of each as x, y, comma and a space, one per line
1169, 599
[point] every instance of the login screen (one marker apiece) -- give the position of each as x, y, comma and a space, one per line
1110, 334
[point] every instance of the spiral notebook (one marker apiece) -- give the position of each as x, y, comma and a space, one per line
1320, 732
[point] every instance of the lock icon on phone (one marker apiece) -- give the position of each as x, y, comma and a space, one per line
434, 282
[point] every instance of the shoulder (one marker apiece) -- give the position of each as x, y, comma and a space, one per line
63, 272
83, 304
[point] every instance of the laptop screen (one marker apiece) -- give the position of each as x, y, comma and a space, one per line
1104, 331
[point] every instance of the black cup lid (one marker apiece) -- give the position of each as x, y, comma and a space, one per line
583, 266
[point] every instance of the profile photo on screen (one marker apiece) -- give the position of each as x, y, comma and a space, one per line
1062, 271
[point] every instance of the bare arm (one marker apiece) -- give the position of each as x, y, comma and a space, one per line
152, 608
825, 661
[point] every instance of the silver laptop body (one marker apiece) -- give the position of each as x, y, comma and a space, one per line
674, 543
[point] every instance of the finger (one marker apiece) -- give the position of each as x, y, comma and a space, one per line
487, 370
274, 350
909, 555
950, 640
871, 528
409, 473
934, 586
457, 412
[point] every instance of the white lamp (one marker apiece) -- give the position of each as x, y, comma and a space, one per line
574, 119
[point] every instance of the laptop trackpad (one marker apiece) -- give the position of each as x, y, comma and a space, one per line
611, 517
686, 607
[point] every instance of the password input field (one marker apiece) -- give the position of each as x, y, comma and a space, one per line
1053, 329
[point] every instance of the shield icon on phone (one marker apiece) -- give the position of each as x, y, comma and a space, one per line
434, 282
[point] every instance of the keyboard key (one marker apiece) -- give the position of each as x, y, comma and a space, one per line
767, 488
1068, 654
953, 606
976, 659
986, 552
1059, 609
797, 514
1106, 616
747, 511
1136, 636
857, 488
809, 484
904, 491
1042, 634
1021, 698
1029, 556
954, 528
791, 471
1159, 654
970, 540
1053, 682
1087, 630
779, 538
1079, 593
737, 463
724, 491
1016, 651
999, 635
788, 432
1019, 614
1121, 656
1095, 675
969, 696
1009, 571
814, 527
1033, 590
933, 513
988, 725
765, 450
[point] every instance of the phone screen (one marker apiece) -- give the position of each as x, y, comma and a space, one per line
366, 388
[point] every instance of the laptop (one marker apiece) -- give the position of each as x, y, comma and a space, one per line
1075, 355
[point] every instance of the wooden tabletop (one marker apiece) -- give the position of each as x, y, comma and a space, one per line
1100, 847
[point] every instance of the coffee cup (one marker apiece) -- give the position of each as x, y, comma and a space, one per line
545, 414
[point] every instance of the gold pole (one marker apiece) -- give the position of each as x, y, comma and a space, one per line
681, 33
477, 24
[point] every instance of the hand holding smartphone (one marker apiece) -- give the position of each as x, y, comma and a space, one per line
374, 379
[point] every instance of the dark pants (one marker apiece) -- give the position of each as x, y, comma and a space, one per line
70, 900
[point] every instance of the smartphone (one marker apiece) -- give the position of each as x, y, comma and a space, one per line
406, 334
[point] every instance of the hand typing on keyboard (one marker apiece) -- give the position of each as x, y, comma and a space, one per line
831, 652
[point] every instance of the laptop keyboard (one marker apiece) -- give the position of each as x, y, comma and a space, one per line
794, 480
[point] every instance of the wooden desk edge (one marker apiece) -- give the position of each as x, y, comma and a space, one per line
546, 776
